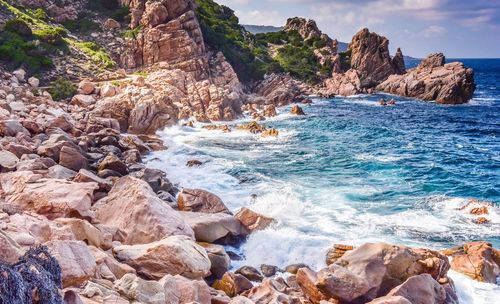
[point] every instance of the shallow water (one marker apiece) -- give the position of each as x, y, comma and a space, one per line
352, 172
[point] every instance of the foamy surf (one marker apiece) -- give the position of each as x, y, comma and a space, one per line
317, 206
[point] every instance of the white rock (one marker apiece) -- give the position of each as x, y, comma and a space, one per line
20, 74
34, 82
10, 98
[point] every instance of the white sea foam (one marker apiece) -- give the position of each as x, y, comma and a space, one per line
310, 218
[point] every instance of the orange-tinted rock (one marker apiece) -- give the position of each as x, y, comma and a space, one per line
232, 284
270, 133
252, 127
252, 220
306, 279
336, 252
198, 200
478, 260
296, 110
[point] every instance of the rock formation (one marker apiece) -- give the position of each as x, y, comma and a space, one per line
450, 83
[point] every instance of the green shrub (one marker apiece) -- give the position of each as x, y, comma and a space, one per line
17, 51
19, 27
40, 14
132, 33
51, 35
121, 14
345, 60
62, 89
110, 8
95, 52
84, 24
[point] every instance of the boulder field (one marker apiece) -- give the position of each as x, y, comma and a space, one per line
73, 187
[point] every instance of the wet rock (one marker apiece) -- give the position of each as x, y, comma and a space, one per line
252, 220
270, 111
223, 128
253, 127
296, 110
420, 289
232, 284
210, 227
293, 268
197, 200
250, 273
172, 255
336, 252
133, 207
268, 270
194, 163
270, 133
478, 260
157, 179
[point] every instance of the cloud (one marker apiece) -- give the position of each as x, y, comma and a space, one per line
433, 31
261, 17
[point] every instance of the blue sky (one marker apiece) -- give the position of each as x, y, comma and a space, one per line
459, 29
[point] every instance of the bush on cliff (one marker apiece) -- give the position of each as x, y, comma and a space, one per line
62, 89
35, 278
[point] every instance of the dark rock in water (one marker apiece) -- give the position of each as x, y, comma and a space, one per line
250, 273
268, 270
194, 163
37, 275
293, 268
235, 256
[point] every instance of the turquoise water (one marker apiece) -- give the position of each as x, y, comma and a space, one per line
351, 171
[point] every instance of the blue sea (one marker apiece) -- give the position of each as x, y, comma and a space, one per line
352, 171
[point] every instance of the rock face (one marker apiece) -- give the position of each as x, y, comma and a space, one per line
252, 220
133, 207
172, 255
370, 57
450, 83
478, 260
210, 227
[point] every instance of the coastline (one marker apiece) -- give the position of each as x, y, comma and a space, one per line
215, 176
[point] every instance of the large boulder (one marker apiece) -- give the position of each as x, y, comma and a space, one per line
478, 260
198, 200
172, 255
72, 159
76, 260
219, 259
450, 83
373, 269
133, 207
51, 197
210, 227
421, 289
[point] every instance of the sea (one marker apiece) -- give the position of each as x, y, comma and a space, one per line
352, 171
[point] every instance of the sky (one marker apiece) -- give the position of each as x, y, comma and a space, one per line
458, 28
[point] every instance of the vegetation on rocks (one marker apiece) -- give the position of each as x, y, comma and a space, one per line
62, 89
252, 56
84, 24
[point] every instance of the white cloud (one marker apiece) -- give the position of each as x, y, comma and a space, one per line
259, 17
433, 31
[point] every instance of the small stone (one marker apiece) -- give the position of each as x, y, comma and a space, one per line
34, 82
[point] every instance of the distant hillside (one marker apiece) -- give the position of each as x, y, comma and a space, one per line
342, 47
259, 29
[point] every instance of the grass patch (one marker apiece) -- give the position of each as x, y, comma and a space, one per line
83, 25
110, 8
95, 52
132, 33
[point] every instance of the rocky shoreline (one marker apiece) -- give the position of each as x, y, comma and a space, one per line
84, 220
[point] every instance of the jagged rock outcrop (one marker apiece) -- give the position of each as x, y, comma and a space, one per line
450, 83
373, 69
280, 90
370, 57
